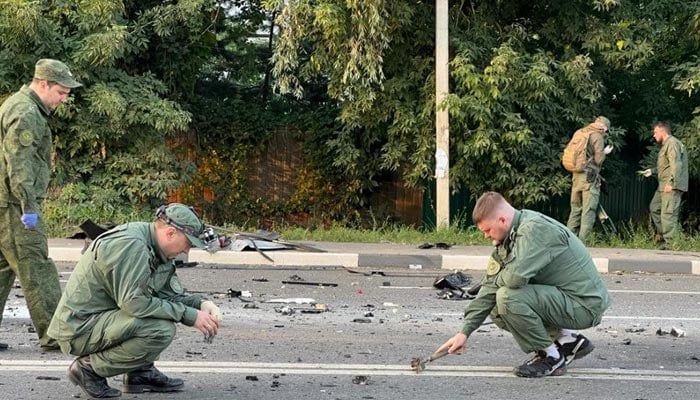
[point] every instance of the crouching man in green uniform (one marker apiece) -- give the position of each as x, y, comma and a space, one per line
541, 283
120, 306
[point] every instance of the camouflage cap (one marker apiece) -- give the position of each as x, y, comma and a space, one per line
55, 71
603, 120
184, 219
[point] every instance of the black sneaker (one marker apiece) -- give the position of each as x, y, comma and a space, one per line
579, 348
542, 365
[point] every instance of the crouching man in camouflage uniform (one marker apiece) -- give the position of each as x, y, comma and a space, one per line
122, 301
541, 282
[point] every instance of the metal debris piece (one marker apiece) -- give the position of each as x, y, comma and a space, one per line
47, 378
250, 305
286, 310
627, 341
418, 363
361, 380
251, 378
362, 320
677, 332
296, 282
259, 280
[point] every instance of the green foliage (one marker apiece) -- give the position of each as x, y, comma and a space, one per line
75, 203
524, 76
134, 59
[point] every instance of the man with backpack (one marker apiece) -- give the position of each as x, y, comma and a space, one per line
583, 157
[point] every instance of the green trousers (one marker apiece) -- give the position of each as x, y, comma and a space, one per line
664, 210
24, 253
535, 314
120, 343
584, 204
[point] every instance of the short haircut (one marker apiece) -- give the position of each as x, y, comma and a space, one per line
487, 204
663, 125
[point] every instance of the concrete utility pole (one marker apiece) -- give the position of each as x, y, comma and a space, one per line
442, 120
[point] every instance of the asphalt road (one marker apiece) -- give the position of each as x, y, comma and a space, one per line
261, 353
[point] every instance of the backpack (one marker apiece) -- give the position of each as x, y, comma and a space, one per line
574, 158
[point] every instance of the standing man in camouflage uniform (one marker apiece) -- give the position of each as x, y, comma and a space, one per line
585, 186
540, 283
25, 168
672, 174
122, 302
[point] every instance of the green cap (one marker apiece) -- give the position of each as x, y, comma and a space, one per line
184, 219
55, 71
603, 120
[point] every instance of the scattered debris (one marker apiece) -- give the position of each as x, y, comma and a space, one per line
251, 378
677, 332
438, 245
296, 282
250, 305
369, 314
183, 264
317, 309
361, 380
259, 280
662, 332
386, 283
296, 277
362, 320
47, 378
418, 363
635, 330
627, 341
452, 285
238, 293
295, 300
286, 310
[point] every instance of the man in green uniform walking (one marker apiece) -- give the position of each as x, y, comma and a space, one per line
122, 302
540, 283
585, 185
25, 168
672, 174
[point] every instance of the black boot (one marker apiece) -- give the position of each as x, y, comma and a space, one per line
148, 378
80, 373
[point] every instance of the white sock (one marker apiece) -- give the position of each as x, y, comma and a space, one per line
567, 336
552, 351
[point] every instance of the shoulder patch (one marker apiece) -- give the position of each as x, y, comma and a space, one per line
26, 138
492, 267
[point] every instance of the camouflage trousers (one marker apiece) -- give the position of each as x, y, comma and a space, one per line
24, 254
535, 314
664, 210
119, 343
585, 197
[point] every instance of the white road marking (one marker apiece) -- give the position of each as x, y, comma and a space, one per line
367, 369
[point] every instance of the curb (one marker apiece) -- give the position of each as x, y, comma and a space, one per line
413, 261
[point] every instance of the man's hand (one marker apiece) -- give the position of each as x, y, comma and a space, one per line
212, 309
206, 323
457, 343
29, 220
668, 188
608, 149
644, 172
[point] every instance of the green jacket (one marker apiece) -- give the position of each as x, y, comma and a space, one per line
672, 165
26, 144
122, 269
538, 250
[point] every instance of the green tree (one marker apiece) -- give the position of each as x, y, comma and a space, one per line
524, 76
137, 60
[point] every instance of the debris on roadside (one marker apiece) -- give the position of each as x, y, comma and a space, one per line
362, 320
361, 380
302, 282
438, 245
676, 332
251, 378
451, 287
294, 300
627, 341
238, 293
635, 330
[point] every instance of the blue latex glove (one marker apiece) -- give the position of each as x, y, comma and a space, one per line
29, 220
